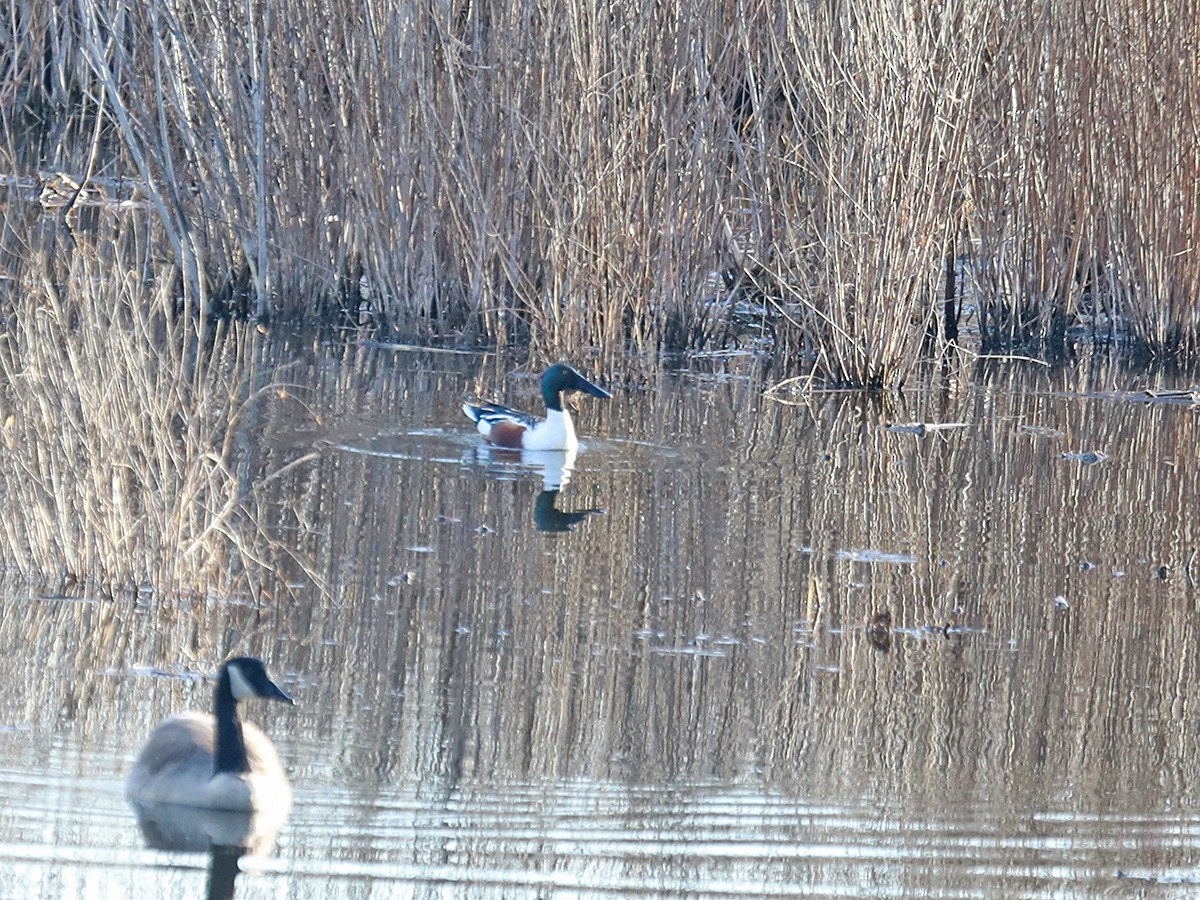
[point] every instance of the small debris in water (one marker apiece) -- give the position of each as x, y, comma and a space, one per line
408, 577
867, 555
920, 429
156, 672
1156, 879
409, 348
644, 634
1191, 395
1041, 431
688, 651
1088, 458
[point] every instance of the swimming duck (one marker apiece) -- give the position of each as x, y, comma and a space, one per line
215, 762
879, 630
506, 427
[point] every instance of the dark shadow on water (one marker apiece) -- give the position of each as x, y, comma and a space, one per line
223, 871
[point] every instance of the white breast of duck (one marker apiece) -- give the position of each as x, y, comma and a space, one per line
555, 432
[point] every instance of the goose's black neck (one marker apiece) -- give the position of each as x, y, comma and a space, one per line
231, 745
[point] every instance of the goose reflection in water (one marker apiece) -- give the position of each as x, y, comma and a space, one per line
556, 467
225, 835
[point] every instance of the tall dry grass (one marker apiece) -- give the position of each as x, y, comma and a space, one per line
1085, 187
858, 171
558, 175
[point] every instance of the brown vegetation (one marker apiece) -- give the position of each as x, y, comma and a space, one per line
562, 175
121, 435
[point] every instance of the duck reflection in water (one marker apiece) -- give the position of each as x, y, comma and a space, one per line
549, 517
555, 467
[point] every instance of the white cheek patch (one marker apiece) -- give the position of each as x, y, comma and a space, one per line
239, 684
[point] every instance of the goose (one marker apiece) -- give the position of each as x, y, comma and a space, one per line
215, 762
506, 427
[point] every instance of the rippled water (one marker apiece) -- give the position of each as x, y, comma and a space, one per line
734, 647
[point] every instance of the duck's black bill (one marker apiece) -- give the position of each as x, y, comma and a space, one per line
588, 388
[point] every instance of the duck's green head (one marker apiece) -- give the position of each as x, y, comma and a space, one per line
560, 378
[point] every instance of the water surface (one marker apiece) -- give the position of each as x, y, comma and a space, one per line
734, 647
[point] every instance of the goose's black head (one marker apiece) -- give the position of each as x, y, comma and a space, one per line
241, 678
560, 378
246, 677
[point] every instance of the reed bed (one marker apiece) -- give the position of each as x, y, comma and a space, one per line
862, 170
557, 175
1085, 189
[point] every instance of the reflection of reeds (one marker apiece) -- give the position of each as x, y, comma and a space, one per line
119, 462
707, 631
545, 174
678, 636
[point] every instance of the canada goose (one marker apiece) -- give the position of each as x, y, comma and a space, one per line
215, 762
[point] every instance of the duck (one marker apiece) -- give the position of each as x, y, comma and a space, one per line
505, 427
215, 761
879, 630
